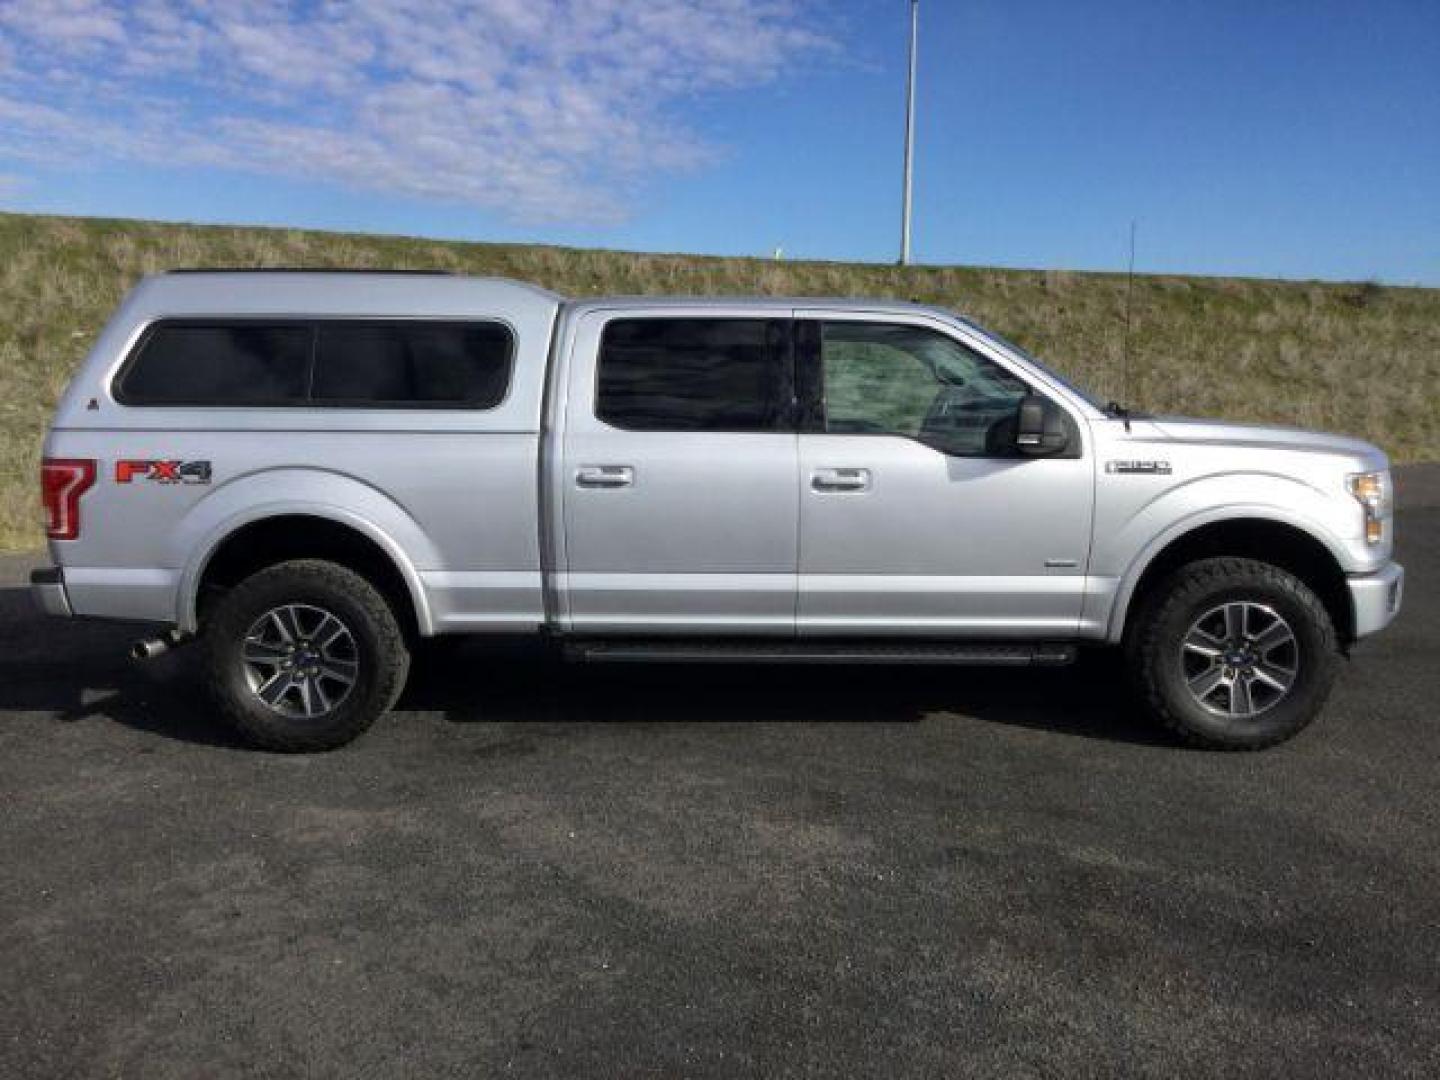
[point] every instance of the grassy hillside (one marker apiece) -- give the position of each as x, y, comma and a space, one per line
1361, 359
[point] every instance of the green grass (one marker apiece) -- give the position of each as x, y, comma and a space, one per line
1357, 358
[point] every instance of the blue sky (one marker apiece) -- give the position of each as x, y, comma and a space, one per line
1270, 138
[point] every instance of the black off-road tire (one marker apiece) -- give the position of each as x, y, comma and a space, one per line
380, 650
1153, 648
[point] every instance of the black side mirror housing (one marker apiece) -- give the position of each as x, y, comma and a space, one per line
1040, 429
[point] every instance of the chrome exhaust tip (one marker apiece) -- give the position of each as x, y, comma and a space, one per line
151, 647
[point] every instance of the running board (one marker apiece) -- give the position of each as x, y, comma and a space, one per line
969, 654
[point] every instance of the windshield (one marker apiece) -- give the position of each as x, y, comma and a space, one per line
1030, 358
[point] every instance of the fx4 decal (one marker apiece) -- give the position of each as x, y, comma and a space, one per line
163, 472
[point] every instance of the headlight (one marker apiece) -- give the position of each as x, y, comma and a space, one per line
1372, 492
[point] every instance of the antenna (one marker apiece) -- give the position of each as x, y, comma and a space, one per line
1129, 292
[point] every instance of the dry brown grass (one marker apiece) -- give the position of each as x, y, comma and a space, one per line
1357, 358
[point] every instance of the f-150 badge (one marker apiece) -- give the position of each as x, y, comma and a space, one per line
1155, 468
163, 472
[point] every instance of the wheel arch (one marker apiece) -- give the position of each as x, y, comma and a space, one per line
1281, 543
266, 536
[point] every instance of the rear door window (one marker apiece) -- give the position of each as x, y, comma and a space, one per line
695, 375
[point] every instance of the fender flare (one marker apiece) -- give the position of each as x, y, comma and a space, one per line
188, 592
1238, 512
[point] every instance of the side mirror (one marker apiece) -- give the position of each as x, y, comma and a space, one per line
1040, 429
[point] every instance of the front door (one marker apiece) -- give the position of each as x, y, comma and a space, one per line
917, 516
679, 475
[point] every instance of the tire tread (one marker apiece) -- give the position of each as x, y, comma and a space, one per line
1181, 589
391, 664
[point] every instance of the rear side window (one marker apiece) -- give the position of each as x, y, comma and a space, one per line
694, 375
241, 364
385, 364
412, 364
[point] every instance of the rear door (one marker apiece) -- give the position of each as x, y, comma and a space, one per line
679, 474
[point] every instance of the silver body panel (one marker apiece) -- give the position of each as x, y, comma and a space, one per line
941, 546
535, 514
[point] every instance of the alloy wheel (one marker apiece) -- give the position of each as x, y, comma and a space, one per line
300, 660
1240, 659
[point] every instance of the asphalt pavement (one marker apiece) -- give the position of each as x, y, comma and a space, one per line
534, 870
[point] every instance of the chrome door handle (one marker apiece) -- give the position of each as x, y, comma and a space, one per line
604, 476
840, 479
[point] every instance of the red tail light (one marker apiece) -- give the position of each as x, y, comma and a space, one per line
62, 482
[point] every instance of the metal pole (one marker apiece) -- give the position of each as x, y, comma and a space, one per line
909, 135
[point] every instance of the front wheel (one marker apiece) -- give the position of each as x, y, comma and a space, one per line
304, 655
1233, 654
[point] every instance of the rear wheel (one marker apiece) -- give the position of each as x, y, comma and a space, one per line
1233, 654
304, 655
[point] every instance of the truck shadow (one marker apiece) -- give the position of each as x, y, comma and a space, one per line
474, 683
78, 671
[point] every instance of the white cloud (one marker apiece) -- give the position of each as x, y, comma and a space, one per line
558, 109
72, 26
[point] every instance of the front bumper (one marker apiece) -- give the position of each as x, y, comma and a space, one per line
1375, 598
47, 586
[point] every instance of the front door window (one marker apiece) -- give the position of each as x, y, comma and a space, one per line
886, 379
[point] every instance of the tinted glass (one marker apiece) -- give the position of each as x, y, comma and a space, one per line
415, 363
693, 375
905, 380
249, 364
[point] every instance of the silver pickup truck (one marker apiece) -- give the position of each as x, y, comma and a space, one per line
307, 472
